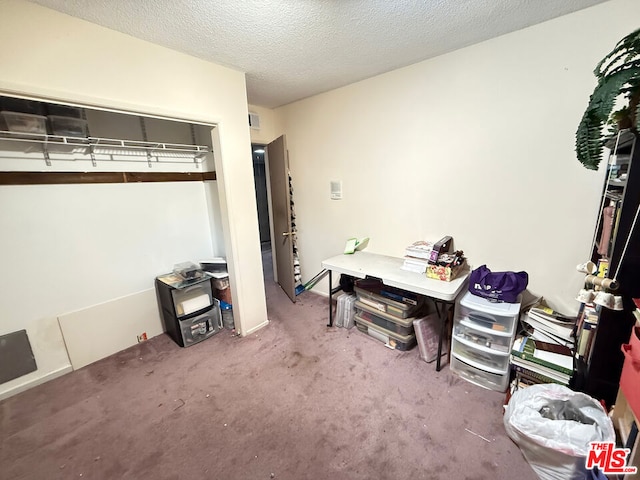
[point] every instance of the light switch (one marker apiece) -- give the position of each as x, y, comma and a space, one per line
336, 190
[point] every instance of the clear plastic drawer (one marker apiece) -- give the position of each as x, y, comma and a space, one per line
479, 377
463, 328
489, 322
192, 299
480, 356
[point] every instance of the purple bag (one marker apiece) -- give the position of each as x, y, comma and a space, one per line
497, 286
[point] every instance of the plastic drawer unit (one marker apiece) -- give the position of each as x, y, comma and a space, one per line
188, 309
483, 334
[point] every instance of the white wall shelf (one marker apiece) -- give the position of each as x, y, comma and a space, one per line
95, 148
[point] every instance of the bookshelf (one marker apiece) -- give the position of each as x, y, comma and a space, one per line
616, 242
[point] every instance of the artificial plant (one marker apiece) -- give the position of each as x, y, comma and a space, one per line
618, 82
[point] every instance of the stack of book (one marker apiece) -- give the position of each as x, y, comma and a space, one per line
416, 256
536, 361
547, 325
585, 330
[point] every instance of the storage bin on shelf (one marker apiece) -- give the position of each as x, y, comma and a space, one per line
21, 105
25, 122
64, 110
68, 126
483, 333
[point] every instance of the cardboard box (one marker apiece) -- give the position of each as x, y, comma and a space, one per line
445, 274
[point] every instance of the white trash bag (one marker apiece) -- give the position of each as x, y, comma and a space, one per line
553, 426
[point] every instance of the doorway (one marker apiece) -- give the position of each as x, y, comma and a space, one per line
262, 203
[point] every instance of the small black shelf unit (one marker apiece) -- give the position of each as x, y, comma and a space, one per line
190, 313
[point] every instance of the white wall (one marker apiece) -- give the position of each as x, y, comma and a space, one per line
477, 144
111, 240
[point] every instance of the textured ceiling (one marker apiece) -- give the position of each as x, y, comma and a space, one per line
292, 49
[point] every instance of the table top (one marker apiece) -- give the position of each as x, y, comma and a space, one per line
361, 264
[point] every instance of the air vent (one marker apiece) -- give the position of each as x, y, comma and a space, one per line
254, 121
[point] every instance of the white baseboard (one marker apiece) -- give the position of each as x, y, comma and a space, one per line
254, 329
36, 381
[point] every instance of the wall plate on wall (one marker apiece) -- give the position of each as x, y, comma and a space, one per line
336, 190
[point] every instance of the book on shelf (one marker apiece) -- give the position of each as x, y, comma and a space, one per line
561, 330
585, 339
543, 311
552, 356
549, 373
535, 376
538, 334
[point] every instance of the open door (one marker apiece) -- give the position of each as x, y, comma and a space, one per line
282, 240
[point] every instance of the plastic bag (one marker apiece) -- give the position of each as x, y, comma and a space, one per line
556, 448
497, 286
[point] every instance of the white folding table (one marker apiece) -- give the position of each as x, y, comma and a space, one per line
387, 269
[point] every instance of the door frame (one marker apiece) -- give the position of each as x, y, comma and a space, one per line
269, 205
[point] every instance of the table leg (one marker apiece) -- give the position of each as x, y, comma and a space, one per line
442, 330
330, 301
443, 315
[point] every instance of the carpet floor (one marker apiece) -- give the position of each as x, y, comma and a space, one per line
295, 400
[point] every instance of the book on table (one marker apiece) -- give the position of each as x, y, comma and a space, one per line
419, 249
415, 265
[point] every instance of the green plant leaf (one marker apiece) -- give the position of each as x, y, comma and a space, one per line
618, 75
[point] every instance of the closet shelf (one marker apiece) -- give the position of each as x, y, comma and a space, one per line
145, 151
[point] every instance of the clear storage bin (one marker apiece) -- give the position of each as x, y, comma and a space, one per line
390, 339
403, 326
345, 310
21, 105
25, 122
68, 126
393, 301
